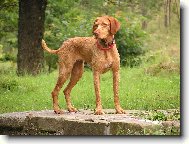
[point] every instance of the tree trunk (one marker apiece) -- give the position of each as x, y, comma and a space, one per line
30, 56
167, 11
177, 9
144, 13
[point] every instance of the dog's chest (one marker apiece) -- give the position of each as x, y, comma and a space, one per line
105, 61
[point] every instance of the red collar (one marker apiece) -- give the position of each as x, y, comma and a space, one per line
110, 46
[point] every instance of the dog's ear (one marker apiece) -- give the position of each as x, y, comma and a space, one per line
94, 26
114, 25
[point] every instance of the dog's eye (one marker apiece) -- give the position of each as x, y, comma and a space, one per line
95, 26
104, 25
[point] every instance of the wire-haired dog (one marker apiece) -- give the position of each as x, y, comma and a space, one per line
99, 52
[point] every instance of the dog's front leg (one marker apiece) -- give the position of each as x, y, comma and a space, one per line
118, 108
96, 76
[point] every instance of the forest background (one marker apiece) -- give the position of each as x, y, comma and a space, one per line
148, 43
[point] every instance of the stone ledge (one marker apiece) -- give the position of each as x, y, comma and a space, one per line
84, 122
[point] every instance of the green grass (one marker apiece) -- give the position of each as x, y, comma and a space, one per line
138, 90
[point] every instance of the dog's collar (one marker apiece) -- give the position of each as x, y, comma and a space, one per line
101, 44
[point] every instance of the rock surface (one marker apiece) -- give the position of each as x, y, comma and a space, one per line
84, 122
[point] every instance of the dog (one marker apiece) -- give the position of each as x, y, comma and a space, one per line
99, 51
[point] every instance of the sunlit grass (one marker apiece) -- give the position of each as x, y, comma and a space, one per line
137, 91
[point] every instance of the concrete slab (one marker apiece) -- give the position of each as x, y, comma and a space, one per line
84, 122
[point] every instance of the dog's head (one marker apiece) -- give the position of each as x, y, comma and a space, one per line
105, 26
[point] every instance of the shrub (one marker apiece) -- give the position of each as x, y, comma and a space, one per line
129, 41
8, 84
8, 57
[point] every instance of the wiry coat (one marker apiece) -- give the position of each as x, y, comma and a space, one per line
75, 51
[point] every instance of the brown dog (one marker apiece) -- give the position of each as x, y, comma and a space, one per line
99, 52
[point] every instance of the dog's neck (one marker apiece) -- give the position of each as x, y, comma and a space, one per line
107, 42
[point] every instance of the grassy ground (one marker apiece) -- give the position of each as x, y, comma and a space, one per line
138, 90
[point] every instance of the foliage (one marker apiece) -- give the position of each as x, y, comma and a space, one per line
8, 56
130, 41
8, 84
66, 19
160, 115
8, 27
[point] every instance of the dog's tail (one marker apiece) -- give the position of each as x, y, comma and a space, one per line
45, 47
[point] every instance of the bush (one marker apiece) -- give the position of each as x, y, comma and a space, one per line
8, 84
8, 57
129, 41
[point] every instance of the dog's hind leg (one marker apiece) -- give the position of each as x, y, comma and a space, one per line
64, 73
76, 74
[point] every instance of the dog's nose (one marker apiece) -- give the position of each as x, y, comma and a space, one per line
96, 33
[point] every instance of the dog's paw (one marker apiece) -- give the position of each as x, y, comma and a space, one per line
72, 109
99, 112
58, 111
120, 111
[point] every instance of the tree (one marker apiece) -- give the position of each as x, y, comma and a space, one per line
167, 11
30, 55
